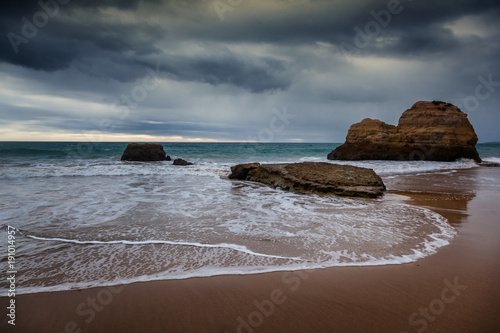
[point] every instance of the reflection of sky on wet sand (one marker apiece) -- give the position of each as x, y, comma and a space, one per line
447, 193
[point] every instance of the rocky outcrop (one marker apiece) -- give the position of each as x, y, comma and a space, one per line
432, 131
312, 177
180, 161
144, 152
241, 171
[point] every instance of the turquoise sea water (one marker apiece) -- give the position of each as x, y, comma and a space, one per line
215, 151
85, 218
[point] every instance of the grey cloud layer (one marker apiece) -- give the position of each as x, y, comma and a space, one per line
264, 54
82, 32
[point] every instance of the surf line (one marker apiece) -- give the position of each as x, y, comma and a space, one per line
234, 247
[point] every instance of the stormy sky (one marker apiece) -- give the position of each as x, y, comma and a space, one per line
238, 70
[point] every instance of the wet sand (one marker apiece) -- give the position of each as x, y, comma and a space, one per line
455, 290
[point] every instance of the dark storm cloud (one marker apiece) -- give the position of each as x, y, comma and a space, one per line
333, 21
105, 46
420, 29
108, 48
62, 40
259, 76
18, 8
416, 30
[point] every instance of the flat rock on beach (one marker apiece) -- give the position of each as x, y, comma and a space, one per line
313, 177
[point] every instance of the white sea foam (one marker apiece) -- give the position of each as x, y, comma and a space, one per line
491, 159
105, 222
402, 167
114, 275
235, 247
96, 231
115, 167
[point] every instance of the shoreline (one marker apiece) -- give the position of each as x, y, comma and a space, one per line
346, 299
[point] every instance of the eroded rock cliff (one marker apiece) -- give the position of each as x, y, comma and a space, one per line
433, 131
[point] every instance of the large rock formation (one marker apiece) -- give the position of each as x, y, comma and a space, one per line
144, 152
433, 131
311, 177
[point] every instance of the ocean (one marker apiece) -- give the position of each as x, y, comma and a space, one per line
84, 218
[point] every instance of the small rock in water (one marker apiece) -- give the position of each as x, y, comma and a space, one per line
146, 152
180, 161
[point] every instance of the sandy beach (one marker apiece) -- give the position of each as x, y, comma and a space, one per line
456, 289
